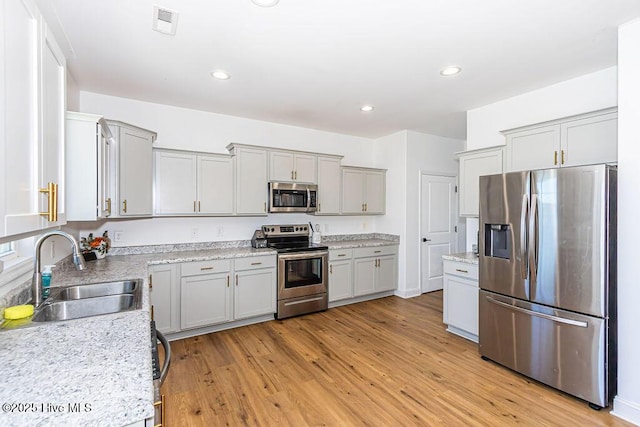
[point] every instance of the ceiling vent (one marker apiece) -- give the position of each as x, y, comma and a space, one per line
165, 20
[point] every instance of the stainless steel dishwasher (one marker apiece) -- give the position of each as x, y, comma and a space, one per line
159, 374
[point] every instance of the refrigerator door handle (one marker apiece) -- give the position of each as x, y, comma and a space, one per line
523, 234
536, 314
533, 241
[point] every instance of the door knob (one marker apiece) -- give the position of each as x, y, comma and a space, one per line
424, 239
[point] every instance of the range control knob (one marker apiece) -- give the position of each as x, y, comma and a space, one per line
305, 228
273, 229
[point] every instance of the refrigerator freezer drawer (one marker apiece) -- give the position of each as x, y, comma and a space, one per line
562, 349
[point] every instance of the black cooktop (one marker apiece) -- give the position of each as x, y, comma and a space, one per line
299, 246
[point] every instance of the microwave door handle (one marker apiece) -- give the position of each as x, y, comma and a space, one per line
308, 199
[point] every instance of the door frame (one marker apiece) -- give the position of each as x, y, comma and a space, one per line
456, 202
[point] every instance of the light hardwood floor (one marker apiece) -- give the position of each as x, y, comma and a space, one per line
387, 362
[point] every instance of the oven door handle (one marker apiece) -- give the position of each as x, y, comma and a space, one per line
167, 356
302, 255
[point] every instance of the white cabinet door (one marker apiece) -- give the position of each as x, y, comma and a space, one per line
386, 273
374, 192
340, 281
536, 148
281, 167
251, 181
590, 140
329, 186
460, 305
52, 159
473, 165
135, 164
305, 168
164, 296
364, 276
254, 293
215, 185
175, 183
205, 300
352, 191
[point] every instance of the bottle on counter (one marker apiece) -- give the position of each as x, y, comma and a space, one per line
46, 280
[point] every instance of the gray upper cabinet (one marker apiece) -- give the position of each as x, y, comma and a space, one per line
286, 166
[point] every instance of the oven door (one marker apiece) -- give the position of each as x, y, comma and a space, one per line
302, 273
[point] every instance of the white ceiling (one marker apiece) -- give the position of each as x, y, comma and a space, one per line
313, 63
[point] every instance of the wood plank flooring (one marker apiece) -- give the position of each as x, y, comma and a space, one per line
387, 362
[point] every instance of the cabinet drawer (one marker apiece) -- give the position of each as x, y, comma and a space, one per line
461, 269
338, 254
249, 263
205, 267
375, 251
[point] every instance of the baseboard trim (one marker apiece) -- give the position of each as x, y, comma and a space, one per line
407, 293
626, 409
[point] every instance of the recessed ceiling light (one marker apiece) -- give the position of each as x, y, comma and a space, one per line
265, 3
450, 71
366, 108
220, 75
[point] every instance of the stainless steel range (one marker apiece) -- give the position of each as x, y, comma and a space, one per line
302, 270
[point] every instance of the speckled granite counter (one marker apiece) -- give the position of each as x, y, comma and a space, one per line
102, 361
466, 257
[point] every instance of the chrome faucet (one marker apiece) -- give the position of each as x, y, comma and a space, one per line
36, 282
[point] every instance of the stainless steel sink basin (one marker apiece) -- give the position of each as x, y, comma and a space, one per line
87, 307
96, 290
93, 299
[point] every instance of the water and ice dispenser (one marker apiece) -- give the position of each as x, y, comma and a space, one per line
497, 240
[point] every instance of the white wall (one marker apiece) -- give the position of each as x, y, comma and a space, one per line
627, 402
583, 94
406, 155
202, 131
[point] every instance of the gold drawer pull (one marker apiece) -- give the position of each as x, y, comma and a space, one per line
342, 254
206, 268
461, 271
256, 263
376, 252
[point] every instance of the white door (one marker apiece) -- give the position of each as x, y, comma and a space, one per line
437, 226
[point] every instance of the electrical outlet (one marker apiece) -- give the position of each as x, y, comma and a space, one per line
194, 234
364, 226
118, 236
220, 232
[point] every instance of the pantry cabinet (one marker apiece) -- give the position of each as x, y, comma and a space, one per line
205, 293
250, 180
286, 166
363, 191
254, 293
131, 170
164, 294
460, 301
329, 185
473, 165
188, 183
32, 106
573, 141
87, 182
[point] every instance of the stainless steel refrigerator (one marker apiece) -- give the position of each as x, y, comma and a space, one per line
547, 243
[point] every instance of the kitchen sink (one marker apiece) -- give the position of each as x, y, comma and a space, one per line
93, 299
96, 290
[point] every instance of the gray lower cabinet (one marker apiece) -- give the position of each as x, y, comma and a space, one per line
200, 294
362, 271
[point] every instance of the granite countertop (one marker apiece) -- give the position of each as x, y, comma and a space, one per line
102, 363
466, 257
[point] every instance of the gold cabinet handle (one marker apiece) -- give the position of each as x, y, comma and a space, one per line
125, 206
52, 202
318, 207
377, 252
342, 254
265, 207
330, 268
462, 271
199, 206
295, 175
555, 157
562, 157
194, 206
206, 268
366, 206
228, 280
236, 280
152, 312
362, 207
162, 406
292, 175
151, 281
256, 263
108, 206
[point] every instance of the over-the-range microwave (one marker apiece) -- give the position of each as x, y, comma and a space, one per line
292, 197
